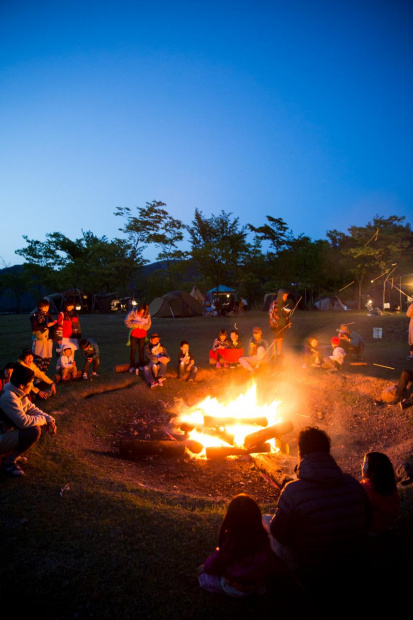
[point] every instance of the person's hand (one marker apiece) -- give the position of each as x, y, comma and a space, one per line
43, 395
164, 359
51, 323
51, 427
53, 389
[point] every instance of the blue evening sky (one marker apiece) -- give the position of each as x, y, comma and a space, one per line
299, 109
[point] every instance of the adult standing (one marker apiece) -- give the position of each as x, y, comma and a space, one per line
20, 420
68, 330
279, 318
42, 325
139, 322
409, 313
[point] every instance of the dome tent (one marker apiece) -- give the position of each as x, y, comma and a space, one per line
175, 304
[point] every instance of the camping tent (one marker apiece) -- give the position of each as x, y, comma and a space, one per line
175, 304
330, 303
196, 294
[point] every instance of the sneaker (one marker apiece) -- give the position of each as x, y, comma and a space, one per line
154, 384
218, 365
13, 469
136, 371
132, 370
95, 374
85, 375
22, 459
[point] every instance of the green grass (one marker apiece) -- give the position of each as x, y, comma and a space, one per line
109, 548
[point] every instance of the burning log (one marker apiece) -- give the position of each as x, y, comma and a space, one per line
276, 430
194, 446
216, 421
137, 448
216, 453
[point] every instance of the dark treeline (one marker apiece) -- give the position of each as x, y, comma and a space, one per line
253, 259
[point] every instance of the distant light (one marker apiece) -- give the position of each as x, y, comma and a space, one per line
78, 307
134, 303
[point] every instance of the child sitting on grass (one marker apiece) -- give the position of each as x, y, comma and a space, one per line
90, 350
242, 563
334, 362
312, 354
66, 365
221, 343
186, 364
379, 482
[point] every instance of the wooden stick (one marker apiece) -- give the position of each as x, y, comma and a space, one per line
216, 453
381, 366
347, 285
277, 430
137, 448
121, 368
216, 421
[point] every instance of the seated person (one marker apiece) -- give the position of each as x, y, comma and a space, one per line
5, 374
334, 361
66, 365
320, 527
20, 420
312, 354
234, 352
157, 359
42, 381
402, 395
187, 370
351, 342
257, 349
379, 482
218, 345
90, 350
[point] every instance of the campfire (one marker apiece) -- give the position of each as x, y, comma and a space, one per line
215, 429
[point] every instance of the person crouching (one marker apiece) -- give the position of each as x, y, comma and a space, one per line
66, 365
334, 362
90, 350
20, 420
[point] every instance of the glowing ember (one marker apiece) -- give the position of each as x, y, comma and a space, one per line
218, 424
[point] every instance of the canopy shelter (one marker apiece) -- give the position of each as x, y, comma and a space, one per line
175, 304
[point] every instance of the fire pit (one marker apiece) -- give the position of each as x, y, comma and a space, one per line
216, 430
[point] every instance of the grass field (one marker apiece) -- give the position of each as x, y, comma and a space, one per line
110, 547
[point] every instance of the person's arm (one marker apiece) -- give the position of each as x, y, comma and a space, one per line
284, 523
217, 562
13, 409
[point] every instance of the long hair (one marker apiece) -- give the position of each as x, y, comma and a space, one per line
143, 306
380, 472
242, 531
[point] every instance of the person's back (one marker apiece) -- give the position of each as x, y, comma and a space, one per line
322, 519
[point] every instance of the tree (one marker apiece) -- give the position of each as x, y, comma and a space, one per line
219, 245
153, 224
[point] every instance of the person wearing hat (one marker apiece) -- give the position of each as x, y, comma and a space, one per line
257, 349
20, 420
351, 342
157, 359
334, 362
26, 359
90, 350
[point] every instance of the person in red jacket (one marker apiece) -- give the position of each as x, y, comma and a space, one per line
68, 331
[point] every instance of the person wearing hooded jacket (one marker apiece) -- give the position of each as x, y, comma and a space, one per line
322, 519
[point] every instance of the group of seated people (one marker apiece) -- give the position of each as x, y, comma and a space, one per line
347, 344
320, 528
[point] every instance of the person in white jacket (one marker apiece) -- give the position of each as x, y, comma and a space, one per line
20, 420
334, 361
